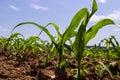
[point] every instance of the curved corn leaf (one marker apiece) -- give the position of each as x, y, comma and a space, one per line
57, 29
74, 24
91, 33
39, 26
107, 69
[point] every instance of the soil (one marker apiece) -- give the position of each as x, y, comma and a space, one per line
32, 68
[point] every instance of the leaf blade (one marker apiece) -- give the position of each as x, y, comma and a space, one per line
39, 26
74, 24
91, 33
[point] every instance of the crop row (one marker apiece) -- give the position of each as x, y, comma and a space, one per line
17, 45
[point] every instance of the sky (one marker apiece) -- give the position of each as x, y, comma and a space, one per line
13, 12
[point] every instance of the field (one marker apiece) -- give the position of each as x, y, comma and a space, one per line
25, 62
62, 58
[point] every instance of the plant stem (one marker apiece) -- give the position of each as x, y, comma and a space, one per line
59, 61
60, 50
79, 65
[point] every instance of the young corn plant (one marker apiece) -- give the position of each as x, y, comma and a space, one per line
94, 51
111, 52
107, 69
44, 29
83, 36
3, 41
36, 46
17, 45
32, 45
14, 43
101, 69
70, 32
115, 44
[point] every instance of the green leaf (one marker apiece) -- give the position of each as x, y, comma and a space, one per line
94, 7
107, 69
56, 28
39, 26
79, 40
74, 24
91, 33
15, 35
117, 43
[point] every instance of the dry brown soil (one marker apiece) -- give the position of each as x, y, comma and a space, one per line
32, 68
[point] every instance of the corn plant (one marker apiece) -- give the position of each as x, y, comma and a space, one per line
83, 36
27, 46
115, 45
13, 43
32, 44
111, 52
42, 28
3, 41
17, 45
104, 69
36, 46
95, 51
112, 47
101, 69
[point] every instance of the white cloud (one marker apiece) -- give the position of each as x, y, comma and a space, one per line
14, 8
114, 16
118, 25
116, 29
38, 7
102, 1
96, 18
3, 29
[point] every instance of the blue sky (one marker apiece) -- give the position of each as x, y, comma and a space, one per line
61, 12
